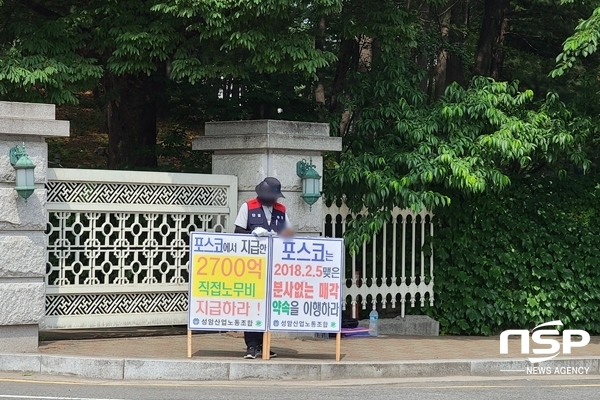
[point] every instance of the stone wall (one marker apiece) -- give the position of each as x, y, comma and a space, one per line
253, 150
22, 239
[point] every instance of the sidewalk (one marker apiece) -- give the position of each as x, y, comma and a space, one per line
219, 357
230, 346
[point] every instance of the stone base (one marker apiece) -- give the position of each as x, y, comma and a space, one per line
410, 325
19, 339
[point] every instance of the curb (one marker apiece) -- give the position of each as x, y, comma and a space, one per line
198, 370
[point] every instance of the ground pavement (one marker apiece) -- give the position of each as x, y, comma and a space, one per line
230, 346
218, 356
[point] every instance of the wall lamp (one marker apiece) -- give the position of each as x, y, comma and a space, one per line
310, 182
24, 184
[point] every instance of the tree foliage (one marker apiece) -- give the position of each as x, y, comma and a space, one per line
41, 58
127, 50
583, 43
430, 97
516, 261
236, 38
62, 43
404, 152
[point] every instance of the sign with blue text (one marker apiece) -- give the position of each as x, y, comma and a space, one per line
228, 282
305, 284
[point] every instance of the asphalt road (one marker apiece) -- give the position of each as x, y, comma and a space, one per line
51, 388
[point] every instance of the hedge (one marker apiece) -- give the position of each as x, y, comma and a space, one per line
515, 260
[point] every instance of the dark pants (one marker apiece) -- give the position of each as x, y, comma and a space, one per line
253, 339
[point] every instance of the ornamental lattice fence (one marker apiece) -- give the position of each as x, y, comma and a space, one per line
118, 243
118, 247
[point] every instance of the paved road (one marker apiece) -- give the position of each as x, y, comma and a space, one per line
50, 388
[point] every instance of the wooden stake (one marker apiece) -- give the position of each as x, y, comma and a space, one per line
189, 342
265, 347
269, 351
338, 346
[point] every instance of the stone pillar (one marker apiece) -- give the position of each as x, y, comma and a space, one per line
253, 150
22, 226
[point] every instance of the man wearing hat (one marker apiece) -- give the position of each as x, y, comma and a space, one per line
262, 216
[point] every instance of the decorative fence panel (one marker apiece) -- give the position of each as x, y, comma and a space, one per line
118, 243
395, 267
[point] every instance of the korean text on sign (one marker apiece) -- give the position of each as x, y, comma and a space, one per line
228, 282
306, 284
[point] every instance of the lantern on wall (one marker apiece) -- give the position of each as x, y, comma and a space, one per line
310, 182
24, 167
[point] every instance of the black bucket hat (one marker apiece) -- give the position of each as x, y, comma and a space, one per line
269, 189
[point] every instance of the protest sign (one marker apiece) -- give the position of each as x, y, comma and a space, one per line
228, 282
305, 285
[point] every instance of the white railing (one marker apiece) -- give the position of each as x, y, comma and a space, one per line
395, 267
118, 243
118, 247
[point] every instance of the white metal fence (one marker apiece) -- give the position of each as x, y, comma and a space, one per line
395, 267
118, 247
118, 243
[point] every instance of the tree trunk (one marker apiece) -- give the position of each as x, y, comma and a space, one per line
131, 120
348, 53
365, 54
440, 68
347, 60
235, 91
459, 22
423, 63
160, 80
488, 35
320, 87
226, 85
498, 57
422, 58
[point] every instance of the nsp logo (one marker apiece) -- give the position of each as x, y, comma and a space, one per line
538, 338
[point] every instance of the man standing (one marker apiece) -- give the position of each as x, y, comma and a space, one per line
262, 216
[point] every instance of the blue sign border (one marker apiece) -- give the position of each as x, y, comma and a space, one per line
342, 285
267, 270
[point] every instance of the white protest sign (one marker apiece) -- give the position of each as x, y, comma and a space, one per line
305, 284
228, 282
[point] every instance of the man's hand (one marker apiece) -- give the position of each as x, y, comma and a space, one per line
260, 232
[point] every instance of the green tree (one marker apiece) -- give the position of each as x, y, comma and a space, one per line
418, 122
127, 50
581, 44
521, 259
403, 152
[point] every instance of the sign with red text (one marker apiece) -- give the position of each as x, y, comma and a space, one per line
306, 284
228, 282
